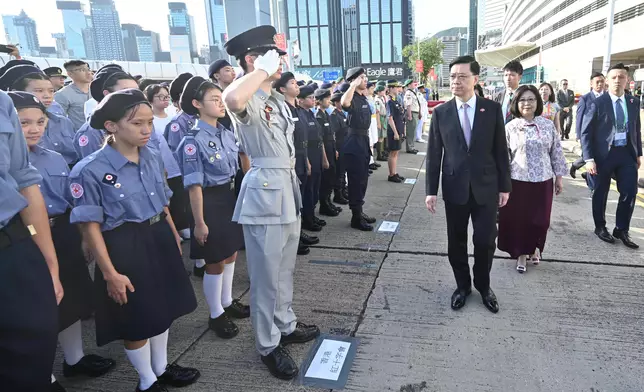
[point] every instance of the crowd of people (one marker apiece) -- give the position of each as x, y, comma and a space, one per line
119, 171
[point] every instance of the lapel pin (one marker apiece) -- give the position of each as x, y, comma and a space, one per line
482, 110
631, 100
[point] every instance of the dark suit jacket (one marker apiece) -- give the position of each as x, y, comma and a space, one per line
566, 99
597, 128
583, 105
485, 166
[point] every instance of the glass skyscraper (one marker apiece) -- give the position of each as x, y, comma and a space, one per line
108, 39
75, 22
181, 23
217, 36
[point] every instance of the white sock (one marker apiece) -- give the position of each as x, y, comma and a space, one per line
71, 341
227, 282
159, 351
53, 379
199, 263
141, 360
212, 285
185, 233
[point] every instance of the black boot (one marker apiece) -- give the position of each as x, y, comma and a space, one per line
318, 221
307, 240
357, 222
303, 250
326, 209
328, 200
309, 224
339, 198
368, 219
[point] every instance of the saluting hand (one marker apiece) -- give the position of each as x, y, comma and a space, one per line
269, 62
201, 233
117, 288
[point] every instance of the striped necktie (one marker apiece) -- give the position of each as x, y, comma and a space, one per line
508, 114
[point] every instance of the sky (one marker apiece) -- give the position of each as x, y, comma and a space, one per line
431, 16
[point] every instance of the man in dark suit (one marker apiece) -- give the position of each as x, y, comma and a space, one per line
467, 143
597, 83
512, 74
611, 142
566, 100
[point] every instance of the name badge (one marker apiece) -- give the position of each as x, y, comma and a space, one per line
295, 119
365, 106
311, 123
620, 136
326, 124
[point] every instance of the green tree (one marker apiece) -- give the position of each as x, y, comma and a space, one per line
430, 51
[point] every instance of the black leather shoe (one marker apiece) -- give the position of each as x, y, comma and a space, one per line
373, 166
199, 271
459, 298
358, 223
412, 152
156, 387
280, 363
626, 239
327, 210
309, 224
337, 208
584, 175
306, 239
319, 221
399, 176
367, 218
90, 365
394, 178
56, 387
178, 376
340, 199
238, 310
490, 301
223, 327
370, 172
303, 250
604, 235
303, 333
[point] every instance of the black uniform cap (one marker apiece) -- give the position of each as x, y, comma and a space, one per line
13, 63
306, 91
326, 85
97, 85
192, 91
17, 73
370, 84
216, 66
284, 79
301, 83
619, 66
54, 72
343, 87
354, 73
336, 96
259, 39
177, 85
106, 66
116, 104
24, 100
322, 93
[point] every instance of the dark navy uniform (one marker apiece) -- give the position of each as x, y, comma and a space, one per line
356, 149
339, 119
397, 112
314, 151
128, 201
328, 175
300, 140
29, 322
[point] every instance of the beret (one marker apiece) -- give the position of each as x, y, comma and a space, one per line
216, 66
114, 105
354, 73
97, 85
17, 73
24, 100
177, 85
322, 93
190, 92
284, 79
306, 91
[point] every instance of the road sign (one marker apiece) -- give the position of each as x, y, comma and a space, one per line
280, 41
330, 75
419, 66
631, 85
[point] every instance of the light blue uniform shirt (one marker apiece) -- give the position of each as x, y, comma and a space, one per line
176, 129
169, 161
16, 173
59, 137
58, 110
55, 179
208, 156
110, 190
88, 140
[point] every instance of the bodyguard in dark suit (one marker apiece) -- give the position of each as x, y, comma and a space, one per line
467, 144
512, 74
597, 82
566, 100
611, 142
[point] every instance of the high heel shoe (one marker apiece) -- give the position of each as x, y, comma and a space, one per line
521, 264
536, 257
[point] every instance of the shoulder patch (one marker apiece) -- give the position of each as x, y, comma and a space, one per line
83, 140
174, 127
77, 190
190, 149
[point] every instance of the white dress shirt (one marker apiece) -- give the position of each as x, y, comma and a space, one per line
506, 101
614, 98
471, 110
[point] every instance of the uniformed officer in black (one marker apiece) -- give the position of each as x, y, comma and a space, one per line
287, 85
323, 100
357, 150
317, 159
339, 118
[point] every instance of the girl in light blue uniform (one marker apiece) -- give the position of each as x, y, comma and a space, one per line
208, 157
121, 199
73, 271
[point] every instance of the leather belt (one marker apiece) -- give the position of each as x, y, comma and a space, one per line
59, 219
156, 219
14, 232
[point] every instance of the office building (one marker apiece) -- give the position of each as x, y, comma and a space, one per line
108, 39
21, 29
48, 52
181, 23
88, 38
74, 21
568, 38
454, 42
242, 15
217, 37
472, 31
148, 44
180, 48
62, 50
129, 32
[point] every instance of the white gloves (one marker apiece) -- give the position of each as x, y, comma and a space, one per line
269, 63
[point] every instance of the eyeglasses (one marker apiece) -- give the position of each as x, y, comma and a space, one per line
527, 101
162, 97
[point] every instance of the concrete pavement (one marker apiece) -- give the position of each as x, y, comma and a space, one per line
574, 323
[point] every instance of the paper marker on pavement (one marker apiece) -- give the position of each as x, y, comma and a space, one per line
421, 153
410, 181
329, 361
388, 227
